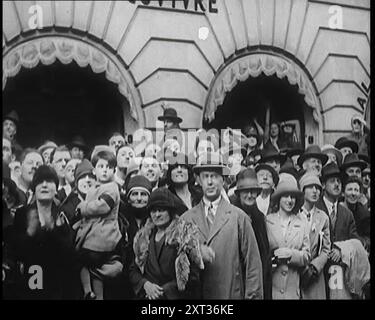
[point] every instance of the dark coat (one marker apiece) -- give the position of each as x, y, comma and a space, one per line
345, 227
52, 250
196, 197
160, 268
362, 221
258, 222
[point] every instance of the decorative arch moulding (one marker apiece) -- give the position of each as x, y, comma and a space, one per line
49, 49
253, 65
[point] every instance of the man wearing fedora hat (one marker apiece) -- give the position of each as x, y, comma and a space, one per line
353, 167
170, 119
246, 192
312, 278
77, 148
346, 146
10, 123
312, 160
272, 157
225, 234
342, 224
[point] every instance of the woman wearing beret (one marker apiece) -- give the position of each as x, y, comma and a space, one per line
42, 237
288, 236
167, 253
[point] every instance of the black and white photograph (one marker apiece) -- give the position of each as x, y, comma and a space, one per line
209, 151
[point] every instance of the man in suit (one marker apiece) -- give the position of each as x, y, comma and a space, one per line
313, 278
233, 268
342, 223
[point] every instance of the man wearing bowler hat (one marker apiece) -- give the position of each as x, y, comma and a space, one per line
313, 160
233, 268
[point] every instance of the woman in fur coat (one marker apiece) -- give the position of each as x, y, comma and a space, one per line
167, 253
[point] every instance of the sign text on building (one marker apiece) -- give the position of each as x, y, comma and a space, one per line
196, 5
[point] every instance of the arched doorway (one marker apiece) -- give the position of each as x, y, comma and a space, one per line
260, 78
58, 101
250, 100
55, 60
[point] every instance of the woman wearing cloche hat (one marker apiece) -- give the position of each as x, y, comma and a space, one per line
167, 253
288, 236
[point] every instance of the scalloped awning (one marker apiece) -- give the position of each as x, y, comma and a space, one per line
253, 65
47, 50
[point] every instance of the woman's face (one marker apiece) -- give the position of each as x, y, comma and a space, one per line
287, 203
45, 191
352, 192
138, 198
180, 175
160, 217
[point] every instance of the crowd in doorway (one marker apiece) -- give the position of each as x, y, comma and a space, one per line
250, 215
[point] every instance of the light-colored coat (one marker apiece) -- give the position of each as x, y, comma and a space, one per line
286, 277
236, 272
320, 246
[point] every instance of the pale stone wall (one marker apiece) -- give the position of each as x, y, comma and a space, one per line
160, 48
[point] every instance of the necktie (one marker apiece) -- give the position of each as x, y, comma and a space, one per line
333, 216
308, 216
210, 215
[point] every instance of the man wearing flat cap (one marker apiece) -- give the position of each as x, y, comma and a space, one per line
233, 268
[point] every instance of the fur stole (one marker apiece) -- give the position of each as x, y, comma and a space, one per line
181, 233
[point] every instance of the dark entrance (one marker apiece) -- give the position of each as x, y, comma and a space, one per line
60, 101
250, 99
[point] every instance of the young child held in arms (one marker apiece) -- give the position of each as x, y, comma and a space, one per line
98, 230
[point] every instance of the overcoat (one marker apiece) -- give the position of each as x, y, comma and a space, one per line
320, 246
286, 276
236, 272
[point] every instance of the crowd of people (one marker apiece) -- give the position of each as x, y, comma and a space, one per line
250, 215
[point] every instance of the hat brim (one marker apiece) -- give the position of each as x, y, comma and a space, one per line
212, 167
321, 156
257, 188
77, 144
350, 144
361, 164
332, 175
280, 157
174, 119
294, 192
